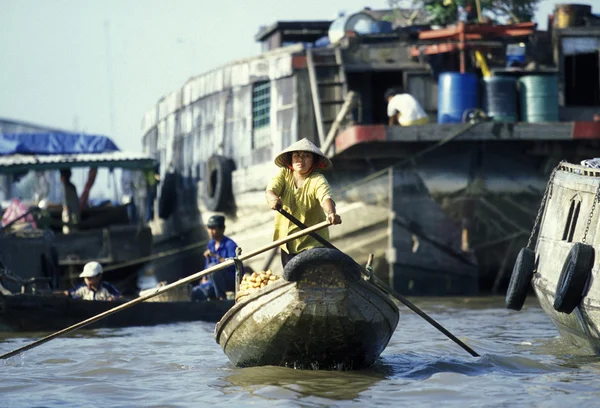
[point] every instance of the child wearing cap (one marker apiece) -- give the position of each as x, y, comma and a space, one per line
94, 287
300, 189
220, 247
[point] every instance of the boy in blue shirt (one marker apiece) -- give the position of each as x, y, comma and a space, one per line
220, 247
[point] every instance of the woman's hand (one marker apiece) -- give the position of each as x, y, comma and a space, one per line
275, 203
334, 219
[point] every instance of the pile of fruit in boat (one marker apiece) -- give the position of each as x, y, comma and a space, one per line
252, 282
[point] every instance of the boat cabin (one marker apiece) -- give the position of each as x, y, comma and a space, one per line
114, 233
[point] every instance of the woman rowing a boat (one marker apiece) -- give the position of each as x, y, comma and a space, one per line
300, 189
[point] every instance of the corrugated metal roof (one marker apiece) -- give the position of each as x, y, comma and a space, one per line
124, 160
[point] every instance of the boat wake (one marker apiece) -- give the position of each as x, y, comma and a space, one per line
421, 366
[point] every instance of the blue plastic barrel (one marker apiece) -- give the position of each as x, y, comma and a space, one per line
539, 98
457, 93
500, 98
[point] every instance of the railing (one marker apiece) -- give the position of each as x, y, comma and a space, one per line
579, 169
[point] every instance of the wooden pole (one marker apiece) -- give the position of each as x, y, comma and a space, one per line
479, 15
336, 124
163, 289
314, 90
461, 47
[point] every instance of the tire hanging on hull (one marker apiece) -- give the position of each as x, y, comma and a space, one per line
219, 194
168, 196
574, 276
520, 279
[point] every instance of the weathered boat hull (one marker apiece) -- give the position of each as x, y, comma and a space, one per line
580, 327
28, 313
561, 228
320, 319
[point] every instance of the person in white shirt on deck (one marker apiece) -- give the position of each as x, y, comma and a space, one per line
404, 110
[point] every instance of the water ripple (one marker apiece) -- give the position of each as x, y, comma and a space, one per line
523, 363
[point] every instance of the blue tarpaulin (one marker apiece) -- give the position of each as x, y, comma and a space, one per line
54, 143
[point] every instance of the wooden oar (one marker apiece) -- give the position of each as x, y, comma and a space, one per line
163, 289
386, 288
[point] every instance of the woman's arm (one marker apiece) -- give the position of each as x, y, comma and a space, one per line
329, 207
273, 200
274, 189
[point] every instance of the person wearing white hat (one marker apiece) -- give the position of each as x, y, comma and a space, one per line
94, 287
300, 189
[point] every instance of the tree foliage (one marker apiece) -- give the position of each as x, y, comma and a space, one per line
517, 11
444, 12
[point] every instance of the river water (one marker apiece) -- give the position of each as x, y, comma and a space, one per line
523, 363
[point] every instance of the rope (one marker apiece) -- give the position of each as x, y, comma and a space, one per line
136, 261
158, 255
547, 192
589, 221
423, 152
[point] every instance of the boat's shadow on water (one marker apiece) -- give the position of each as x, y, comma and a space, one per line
347, 385
281, 382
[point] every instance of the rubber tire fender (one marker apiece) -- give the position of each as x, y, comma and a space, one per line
520, 279
575, 273
317, 257
168, 196
219, 193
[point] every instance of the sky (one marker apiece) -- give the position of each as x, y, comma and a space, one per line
97, 66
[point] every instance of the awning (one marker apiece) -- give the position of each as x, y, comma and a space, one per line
55, 143
17, 163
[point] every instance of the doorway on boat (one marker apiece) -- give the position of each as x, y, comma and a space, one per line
582, 79
370, 87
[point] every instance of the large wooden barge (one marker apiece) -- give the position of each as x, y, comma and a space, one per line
444, 206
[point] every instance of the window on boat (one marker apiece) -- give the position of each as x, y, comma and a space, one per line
261, 114
572, 220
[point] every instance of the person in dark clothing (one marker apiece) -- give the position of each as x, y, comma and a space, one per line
220, 247
152, 180
71, 214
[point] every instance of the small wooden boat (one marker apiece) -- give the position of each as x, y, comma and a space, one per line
321, 315
29, 313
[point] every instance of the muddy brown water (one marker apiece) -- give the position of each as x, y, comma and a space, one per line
523, 363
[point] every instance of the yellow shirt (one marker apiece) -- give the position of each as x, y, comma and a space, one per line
303, 203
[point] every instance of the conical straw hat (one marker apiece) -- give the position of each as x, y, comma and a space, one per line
303, 145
